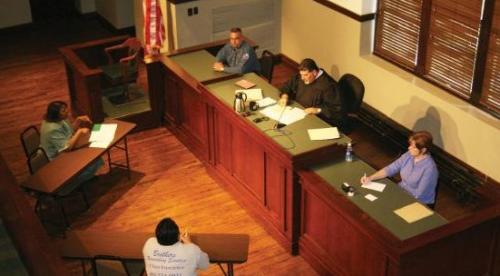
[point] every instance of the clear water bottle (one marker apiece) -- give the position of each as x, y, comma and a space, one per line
348, 152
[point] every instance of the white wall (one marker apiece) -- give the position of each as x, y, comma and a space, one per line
85, 6
119, 13
14, 13
339, 44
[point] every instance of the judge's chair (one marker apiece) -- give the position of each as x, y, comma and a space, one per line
122, 68
351, 91
267, 65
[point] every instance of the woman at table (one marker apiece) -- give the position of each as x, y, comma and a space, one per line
58, 135
418, 171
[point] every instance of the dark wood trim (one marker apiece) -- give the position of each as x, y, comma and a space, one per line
288, 61
478, 105
344, 11
423, 37
482, 51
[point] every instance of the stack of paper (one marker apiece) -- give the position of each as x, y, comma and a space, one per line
323, 133
285, 115
252, 94
102, 135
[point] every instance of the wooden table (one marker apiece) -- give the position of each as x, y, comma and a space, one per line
52, 177
85, 245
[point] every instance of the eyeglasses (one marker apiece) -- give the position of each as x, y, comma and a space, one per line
261, 119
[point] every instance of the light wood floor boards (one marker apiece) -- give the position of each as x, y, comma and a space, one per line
167, 180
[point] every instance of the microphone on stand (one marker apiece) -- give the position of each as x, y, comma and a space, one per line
279, 125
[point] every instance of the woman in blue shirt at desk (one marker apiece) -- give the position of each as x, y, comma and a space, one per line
418, 171
58, 135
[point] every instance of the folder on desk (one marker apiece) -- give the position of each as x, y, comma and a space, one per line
413, 212
245, 84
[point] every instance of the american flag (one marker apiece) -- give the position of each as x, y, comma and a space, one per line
154, 31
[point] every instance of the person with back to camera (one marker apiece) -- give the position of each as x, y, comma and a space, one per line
237, 56
315, 90
58, 135
418, 171
171, 254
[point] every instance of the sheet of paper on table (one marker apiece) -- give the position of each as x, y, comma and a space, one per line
254, 94
323, 133
102, 135
413, 212
286, 115
267, 101
379, 187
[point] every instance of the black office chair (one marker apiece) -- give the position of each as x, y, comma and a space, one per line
267, 65
112, 265
30, 139
37, 159
351, 91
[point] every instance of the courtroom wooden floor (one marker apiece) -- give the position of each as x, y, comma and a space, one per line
167, 179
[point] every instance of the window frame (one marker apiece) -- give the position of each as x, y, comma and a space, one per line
481, 53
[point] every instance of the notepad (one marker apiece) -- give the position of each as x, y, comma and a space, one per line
379, 187
245, 84
254, 94
102, 135
323, 133
413, 212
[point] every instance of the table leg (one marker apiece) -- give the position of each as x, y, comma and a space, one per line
61, 207
126, 157
230, 271
109, 159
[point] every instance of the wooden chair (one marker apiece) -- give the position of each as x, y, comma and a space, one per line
267, 65
123, 67
30, 139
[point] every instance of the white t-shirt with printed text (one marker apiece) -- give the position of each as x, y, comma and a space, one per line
179, 259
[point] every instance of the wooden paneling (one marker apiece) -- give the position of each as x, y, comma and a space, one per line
223, 143
336, 237
328, 234
276, 183
248, 163
193, 114
171, 101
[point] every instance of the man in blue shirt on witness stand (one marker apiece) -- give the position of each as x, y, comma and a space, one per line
236, 56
